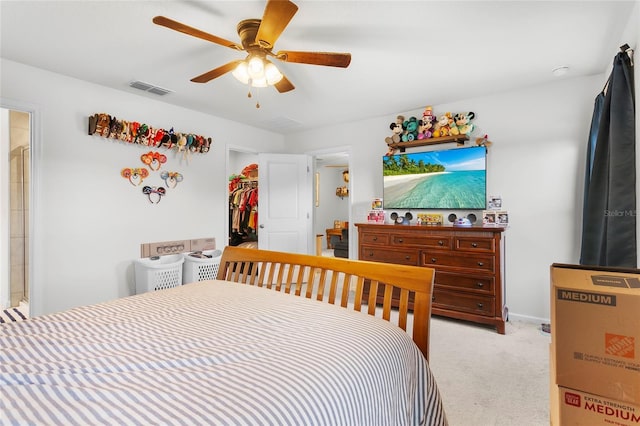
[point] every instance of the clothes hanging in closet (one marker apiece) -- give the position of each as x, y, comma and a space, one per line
243, 202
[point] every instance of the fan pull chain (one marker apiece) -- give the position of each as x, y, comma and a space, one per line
257, 100
249, 95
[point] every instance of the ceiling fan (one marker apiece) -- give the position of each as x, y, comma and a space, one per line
257, 37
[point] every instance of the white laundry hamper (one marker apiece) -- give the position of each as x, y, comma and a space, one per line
201, 266
158, 272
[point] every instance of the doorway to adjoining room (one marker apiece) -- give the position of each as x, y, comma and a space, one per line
16, 147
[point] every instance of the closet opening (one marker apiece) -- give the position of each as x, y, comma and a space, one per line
243, 199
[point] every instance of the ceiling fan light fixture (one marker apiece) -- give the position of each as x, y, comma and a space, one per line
255, 67
241, 73
257, 39
272, 74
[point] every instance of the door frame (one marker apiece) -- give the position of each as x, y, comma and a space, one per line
337, 150
35, 159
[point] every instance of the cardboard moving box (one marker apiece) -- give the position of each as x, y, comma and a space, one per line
580, 408
595, 330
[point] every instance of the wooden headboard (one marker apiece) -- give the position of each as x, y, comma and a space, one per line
350, 282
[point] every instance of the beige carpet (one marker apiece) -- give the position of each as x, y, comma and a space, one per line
490, 379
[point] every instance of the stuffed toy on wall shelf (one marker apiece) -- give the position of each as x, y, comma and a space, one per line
397, 129
443, 125
463, 123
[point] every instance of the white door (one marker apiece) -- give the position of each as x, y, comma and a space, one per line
284, 210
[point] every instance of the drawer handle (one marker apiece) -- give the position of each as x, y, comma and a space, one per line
433, 298
480, 305
474, 244
480, 263
480, 285
440, 243
375, 238
407, 257
400, 240
370, 254
434, 260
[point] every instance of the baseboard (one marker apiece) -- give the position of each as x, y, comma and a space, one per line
527, 318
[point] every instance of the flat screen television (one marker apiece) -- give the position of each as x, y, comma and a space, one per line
443, 179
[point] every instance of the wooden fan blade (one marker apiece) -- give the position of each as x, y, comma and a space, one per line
330, 59
185, 29
215, 73
284, 85
276, 17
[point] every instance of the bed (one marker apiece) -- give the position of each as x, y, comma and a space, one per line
220, 352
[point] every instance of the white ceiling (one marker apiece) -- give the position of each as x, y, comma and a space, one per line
405, 55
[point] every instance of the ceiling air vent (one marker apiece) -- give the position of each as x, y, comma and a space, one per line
282, 123
141, 85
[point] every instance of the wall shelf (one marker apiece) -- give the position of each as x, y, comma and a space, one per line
459, 139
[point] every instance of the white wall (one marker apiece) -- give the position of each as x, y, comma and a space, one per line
536, 163
88, 221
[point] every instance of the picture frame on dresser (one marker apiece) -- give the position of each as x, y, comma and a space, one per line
468, 261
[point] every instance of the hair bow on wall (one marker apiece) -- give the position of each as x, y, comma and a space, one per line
154, 193
153, 159
135, 175
171, 179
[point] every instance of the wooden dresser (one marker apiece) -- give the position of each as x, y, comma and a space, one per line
469, 264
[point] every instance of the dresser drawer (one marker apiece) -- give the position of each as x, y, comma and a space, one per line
484, 263
433, 241
478, 284
374, 238
464, 302
383, 254
477, 244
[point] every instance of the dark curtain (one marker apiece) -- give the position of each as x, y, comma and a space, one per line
609, 217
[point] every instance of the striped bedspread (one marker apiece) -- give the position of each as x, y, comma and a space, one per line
213, 353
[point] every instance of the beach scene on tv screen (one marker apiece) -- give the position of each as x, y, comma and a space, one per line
445, 179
